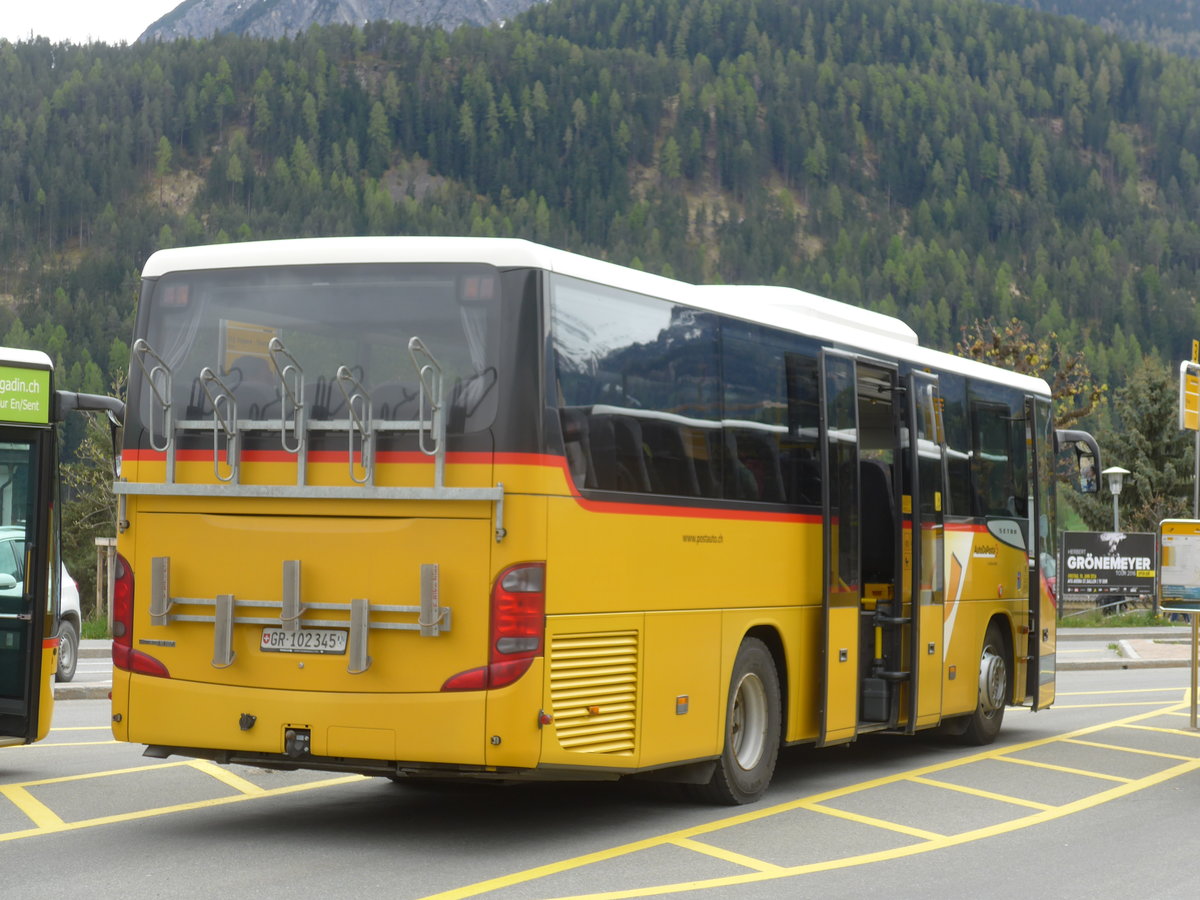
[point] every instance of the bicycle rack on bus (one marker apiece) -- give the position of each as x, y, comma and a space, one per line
360, 425
362, 616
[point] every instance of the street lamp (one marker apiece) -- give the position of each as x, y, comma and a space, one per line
1116, 479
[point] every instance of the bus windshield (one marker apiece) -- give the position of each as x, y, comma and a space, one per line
238, 330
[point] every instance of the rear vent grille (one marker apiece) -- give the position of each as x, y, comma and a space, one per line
593, 690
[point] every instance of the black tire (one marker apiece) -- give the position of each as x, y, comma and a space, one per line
752, 729
983, 725
68, 650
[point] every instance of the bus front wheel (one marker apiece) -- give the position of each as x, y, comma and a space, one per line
984, 724
752, 729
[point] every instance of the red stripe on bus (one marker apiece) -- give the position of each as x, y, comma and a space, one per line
541, 460
48, 643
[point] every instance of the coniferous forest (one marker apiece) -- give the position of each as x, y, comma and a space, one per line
947, 161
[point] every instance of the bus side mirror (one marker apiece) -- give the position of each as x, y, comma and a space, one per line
1087, 458
112, 407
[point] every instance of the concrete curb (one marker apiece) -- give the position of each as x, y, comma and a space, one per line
1123, 664
94, 690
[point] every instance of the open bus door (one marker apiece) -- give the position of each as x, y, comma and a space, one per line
841, 592
27, 547
1043, 612
924, 548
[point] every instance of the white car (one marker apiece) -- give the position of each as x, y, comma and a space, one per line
70, 618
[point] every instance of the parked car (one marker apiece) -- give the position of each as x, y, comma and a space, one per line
70, 626
70, 618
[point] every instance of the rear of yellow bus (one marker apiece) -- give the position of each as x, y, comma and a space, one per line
332, 539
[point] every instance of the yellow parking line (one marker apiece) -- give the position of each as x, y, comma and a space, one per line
748, 862
81, 728
39, 813
180, 807
1103, 746
1122, 789
872, 821
1180, 731
1107, 694
1107, 705
977, 792
237, 782
48, 744
62, 779
1087, 773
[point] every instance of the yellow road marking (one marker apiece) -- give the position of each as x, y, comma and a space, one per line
872, 821
1106, 705
47, 744
739, 859
1107, 694
237, 782
81, 728
978, 792
89, 775
1103, 746
1124, 788
39, 813
1179, 731
1068, 769
165, 810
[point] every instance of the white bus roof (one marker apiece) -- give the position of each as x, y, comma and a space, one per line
874, 334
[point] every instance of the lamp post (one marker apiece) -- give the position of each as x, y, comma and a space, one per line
1116, 479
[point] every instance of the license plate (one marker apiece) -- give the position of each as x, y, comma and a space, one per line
306, 640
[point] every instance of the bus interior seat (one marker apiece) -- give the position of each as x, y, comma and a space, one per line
760, 456
740, 483
577, 444
616, 444
670, 465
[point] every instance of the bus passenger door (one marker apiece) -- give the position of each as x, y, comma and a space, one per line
25, 617
841, 591
1043, 611
924, 547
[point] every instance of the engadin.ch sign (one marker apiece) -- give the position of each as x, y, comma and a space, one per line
24, 395
1109, 562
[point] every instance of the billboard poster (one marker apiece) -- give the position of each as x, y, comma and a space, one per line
1109, 562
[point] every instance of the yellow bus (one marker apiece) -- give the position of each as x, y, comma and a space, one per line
30, 570
477, 508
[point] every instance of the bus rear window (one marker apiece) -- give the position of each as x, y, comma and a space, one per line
358, 319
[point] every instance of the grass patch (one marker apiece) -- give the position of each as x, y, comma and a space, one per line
95, 629
1134, 618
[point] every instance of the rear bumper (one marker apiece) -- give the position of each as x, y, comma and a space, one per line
250, 725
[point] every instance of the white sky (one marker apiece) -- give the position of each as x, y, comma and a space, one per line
78, 21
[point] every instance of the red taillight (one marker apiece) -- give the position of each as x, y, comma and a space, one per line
124, 656
517, 633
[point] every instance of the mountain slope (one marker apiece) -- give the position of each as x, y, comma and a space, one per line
284, 18
942, 160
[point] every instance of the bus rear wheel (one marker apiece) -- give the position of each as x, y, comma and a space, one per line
983, 725
752, 729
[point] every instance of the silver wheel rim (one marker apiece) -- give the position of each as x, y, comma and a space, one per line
66, 651
748, 725
993, 681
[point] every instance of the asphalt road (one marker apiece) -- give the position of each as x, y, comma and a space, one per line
1095, 797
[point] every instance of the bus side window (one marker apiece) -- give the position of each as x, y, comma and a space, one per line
998, 468
802, 455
